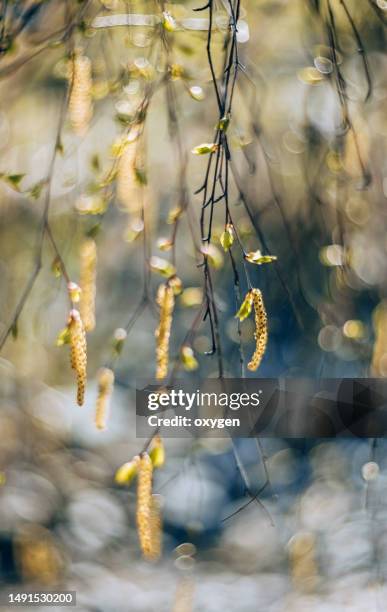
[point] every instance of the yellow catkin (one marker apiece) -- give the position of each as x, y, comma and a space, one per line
80, 102
379, 355
261, 331
156, 528
128, 191
78, 352
105, 378
88, 274
144, 504
166, 300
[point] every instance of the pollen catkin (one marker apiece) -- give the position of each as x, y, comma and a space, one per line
105, 378
88, 274
261, 332
156, 528
78, 352
379, 355
144, 503
127, 188
166, 300
80, 102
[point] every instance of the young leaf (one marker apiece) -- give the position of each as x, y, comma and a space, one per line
157, 452
177, 285
227, 237
214, 255
164, 244
257, 258
245, 308
188, 359
127, 472
205, 148
162, 266
196, 92
63, 337
169, 22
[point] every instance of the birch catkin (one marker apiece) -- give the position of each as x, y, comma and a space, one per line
127, 188
144, 502
379, 355
261, 332
166, 300
105, 378
156, 528
88, 274
80, 102
78, 352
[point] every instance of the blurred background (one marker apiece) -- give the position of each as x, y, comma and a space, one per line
307, 136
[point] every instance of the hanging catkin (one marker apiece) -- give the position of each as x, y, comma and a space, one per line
144, 502
156, 528
261, 332
166, 300
88, 273
78, 352
80, 102
105, 378
127, 188
379, 355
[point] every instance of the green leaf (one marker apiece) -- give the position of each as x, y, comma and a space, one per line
162, 266
205, 148
63, 337
169, 22
257, 258
127, 472
214, 255
227, 237
245, 308
188, 359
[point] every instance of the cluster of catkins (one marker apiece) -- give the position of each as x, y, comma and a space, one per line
82, 321
148, 510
